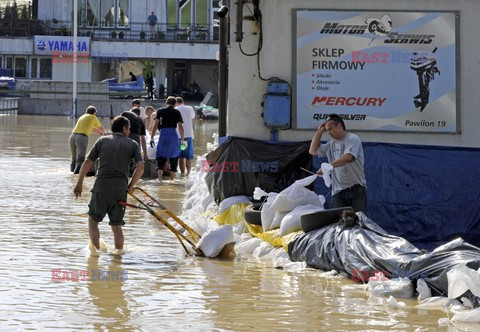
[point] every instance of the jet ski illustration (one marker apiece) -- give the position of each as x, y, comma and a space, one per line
379, 27
425, 65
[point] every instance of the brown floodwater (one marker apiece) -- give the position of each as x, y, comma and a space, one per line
44, 228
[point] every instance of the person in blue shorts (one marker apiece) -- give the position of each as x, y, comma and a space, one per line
168, 145
186, 156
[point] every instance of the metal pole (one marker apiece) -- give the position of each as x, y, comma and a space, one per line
75, 59
223, 78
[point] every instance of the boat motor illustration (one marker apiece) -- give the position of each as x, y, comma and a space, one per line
379, 27
425, 65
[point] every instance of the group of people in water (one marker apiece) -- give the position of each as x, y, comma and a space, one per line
120, 160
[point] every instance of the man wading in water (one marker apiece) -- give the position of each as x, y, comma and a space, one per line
111, 185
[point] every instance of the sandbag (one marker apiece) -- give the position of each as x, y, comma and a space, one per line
213, 241
296, 195
267, 213
291, 221
277, 219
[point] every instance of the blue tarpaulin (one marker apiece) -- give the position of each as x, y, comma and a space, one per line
426, 194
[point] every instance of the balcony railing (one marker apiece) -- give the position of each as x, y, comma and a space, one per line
134, 31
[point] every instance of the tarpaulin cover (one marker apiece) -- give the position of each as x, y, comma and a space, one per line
239, 165
367, 248
427, 194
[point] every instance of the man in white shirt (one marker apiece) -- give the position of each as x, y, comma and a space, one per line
136, 103
186, 156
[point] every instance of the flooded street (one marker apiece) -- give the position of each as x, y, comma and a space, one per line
44, 228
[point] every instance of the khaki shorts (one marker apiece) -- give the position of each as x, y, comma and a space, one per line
106, 202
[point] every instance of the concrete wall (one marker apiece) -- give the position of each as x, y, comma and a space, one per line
17, 45
38, 106
246, 90
63, 90
64, 71
165, 50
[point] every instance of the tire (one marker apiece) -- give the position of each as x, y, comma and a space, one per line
252, 215
315, 220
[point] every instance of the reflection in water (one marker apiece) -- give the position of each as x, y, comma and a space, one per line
105, 286
43, 228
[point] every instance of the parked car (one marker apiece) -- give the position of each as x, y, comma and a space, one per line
128, 89
7, 81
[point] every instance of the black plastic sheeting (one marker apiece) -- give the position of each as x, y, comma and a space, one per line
366, 247
239, 165
426, 194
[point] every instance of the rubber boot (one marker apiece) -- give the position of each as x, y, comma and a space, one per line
72, 167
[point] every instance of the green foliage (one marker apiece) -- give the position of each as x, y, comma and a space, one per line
148, 68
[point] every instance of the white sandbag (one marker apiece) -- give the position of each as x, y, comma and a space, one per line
247, 245
436, 303
277, 219
296, 195
213, 241
462, 278
468, 316
205, 201
267, 214
291, 221
227, 202
424, 292
400, 288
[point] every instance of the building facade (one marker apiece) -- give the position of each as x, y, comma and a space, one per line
181, 45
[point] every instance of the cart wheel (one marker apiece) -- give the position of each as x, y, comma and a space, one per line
252, 215
315, 220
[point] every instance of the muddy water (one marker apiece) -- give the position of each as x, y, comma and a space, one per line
43, 228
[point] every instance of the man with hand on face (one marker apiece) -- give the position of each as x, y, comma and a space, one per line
345, 153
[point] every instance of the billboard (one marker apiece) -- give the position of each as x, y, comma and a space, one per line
379, 70
48, 45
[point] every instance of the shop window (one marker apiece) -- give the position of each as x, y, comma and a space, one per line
111, 13
9, 62
46, 68
185, 7
20, 67
33, 73
201, 18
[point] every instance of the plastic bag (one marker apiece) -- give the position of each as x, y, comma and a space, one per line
470, 316
461, 279
401, 288
424, 292
327, 173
